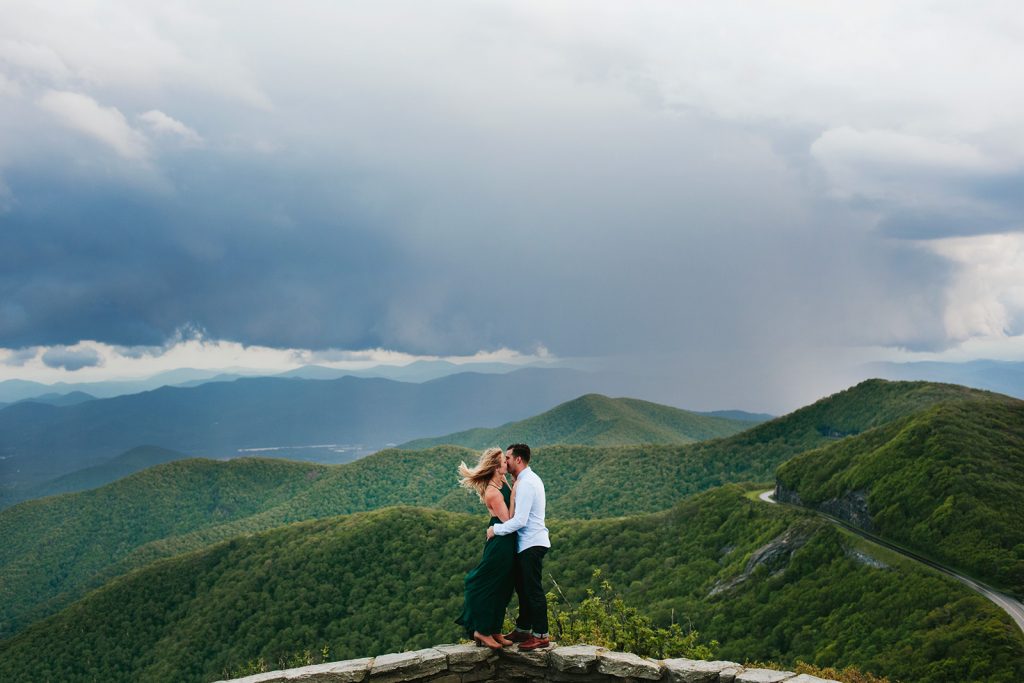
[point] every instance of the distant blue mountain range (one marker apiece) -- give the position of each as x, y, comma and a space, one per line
331, 420
14, 390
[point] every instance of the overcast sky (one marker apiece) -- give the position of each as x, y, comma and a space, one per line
746, 198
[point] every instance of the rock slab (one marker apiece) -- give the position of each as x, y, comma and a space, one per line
576, 659
628, 665
352, 671
764, 676
408, 666
684, 670
463, 658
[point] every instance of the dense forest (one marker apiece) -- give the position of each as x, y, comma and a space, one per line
53, 546
941, 465
391, 579
947, 482
59, 547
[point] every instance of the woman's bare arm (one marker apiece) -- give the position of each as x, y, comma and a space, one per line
496, 504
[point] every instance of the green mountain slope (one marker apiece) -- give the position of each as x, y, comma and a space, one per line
947, 482
47, 562
129, 462
627, 480
597, 420
54, 546
391, 580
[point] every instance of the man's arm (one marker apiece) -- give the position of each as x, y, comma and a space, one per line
524, 502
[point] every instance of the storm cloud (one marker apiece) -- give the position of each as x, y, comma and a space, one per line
20, 357
70, 358
721, 187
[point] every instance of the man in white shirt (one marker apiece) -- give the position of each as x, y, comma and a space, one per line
532, 544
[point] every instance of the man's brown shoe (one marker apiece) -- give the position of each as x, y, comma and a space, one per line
519, 636
534, 644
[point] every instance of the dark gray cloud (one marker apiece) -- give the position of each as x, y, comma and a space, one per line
934, 223
125, 268
494, 176
140, 352
71, 359
19, 357
639, 232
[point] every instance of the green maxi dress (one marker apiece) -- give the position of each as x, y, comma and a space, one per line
489, 585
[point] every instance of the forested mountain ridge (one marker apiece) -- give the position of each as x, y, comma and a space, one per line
121, 466
55, 399
622, 481
596, 420
947, 482
862, 407
50, 568
391, 580
54, 546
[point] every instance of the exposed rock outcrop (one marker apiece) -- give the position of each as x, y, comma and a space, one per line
470, 664
852, 507
774, 555
865, 559
787, 495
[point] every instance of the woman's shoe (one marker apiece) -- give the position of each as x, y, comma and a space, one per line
485, 641
502, 640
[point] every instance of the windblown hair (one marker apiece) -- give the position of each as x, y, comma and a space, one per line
476, 479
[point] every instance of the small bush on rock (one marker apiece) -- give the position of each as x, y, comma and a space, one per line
604, 619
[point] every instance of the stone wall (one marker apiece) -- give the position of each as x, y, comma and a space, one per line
472, 664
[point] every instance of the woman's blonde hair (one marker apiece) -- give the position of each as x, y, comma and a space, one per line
479, 477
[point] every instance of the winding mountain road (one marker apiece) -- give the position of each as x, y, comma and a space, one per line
1007, 603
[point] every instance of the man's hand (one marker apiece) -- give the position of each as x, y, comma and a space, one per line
490, 532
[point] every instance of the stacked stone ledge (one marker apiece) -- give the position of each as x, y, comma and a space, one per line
472, 664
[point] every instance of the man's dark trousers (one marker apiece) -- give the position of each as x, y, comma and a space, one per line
533, 605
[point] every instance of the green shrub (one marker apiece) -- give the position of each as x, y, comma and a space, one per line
604, 619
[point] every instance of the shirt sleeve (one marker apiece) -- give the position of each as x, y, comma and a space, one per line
524, 503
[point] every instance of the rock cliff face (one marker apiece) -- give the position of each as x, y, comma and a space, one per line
470, 664
774, 555
851, 507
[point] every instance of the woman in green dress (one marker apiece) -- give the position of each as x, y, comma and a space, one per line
489, 586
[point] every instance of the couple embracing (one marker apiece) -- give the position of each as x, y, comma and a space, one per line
517, 541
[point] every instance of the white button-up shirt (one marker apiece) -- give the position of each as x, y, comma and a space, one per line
529, 517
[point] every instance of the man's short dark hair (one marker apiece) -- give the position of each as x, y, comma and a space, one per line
521, 450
